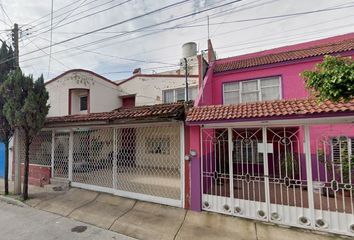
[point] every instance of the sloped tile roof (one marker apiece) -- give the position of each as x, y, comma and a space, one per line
266, 109
172, 110
323, 49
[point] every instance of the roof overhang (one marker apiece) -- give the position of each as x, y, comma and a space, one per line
249, 123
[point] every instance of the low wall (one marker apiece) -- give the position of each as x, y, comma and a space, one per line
38, 175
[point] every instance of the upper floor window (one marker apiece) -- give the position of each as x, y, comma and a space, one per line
252, 90
83, 103
178, 94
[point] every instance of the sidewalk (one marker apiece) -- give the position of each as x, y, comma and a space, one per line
144, 220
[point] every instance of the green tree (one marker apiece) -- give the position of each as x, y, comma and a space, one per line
7, 64
332, 79
25, 108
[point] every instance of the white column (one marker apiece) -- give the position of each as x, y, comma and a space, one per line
71, 150
231, 167
266, 169
307, 148
17, 164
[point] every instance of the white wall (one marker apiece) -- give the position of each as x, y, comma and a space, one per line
103, 94
149, 89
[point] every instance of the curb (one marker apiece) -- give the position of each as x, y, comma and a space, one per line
13, 201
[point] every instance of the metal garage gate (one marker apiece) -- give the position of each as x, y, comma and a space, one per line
136, 161
295, 175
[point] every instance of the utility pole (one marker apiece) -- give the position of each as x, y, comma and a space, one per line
15, 44
16, 146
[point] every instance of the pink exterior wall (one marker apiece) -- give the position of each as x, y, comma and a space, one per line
292, 85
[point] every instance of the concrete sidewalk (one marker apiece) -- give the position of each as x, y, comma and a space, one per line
144, 220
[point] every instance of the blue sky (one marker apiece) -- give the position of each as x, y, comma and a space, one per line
234, 29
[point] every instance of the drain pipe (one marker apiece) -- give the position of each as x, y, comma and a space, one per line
186, 75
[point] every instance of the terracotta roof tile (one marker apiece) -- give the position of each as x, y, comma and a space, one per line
278, 108
337, 47
137, 113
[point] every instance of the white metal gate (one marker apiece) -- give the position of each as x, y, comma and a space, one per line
295, 175
136, 161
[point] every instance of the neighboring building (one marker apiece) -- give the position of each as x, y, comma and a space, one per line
267, 151
125, 137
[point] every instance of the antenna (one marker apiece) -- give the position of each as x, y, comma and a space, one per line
208, 26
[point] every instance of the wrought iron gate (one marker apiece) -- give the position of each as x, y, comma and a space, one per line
287, 175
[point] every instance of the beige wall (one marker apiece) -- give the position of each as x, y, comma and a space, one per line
148, 90
103, 94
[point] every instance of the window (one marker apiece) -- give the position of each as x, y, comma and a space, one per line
247, 152
158, 145
178, 94
128, 102
340, 148
83, 103
252, 91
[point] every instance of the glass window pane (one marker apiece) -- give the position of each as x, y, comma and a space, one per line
83, 103
168, 96
231, 98
249, 97
270, 93
180, 92
274, 81
249, 86
231, 86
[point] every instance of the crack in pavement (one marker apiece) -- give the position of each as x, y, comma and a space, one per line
115, 220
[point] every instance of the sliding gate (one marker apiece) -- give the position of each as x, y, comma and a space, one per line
297, 176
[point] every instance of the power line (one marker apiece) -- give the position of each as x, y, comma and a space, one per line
51, 36
122, 58
4, 11
173, 27
66, 6
69, 14
86, 16
136, 17
246, 27
116, 24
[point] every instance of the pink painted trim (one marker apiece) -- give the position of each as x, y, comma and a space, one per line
284, 63
70, 99
273, 118
207, 80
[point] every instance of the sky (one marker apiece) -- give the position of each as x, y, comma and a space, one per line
149, 34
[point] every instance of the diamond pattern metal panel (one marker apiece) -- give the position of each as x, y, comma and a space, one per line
93, 157
148, 160
40, 152
61, 155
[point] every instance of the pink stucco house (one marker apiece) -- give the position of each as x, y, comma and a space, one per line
264, 149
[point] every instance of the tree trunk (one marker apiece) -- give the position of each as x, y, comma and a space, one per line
26, 170
6, 167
